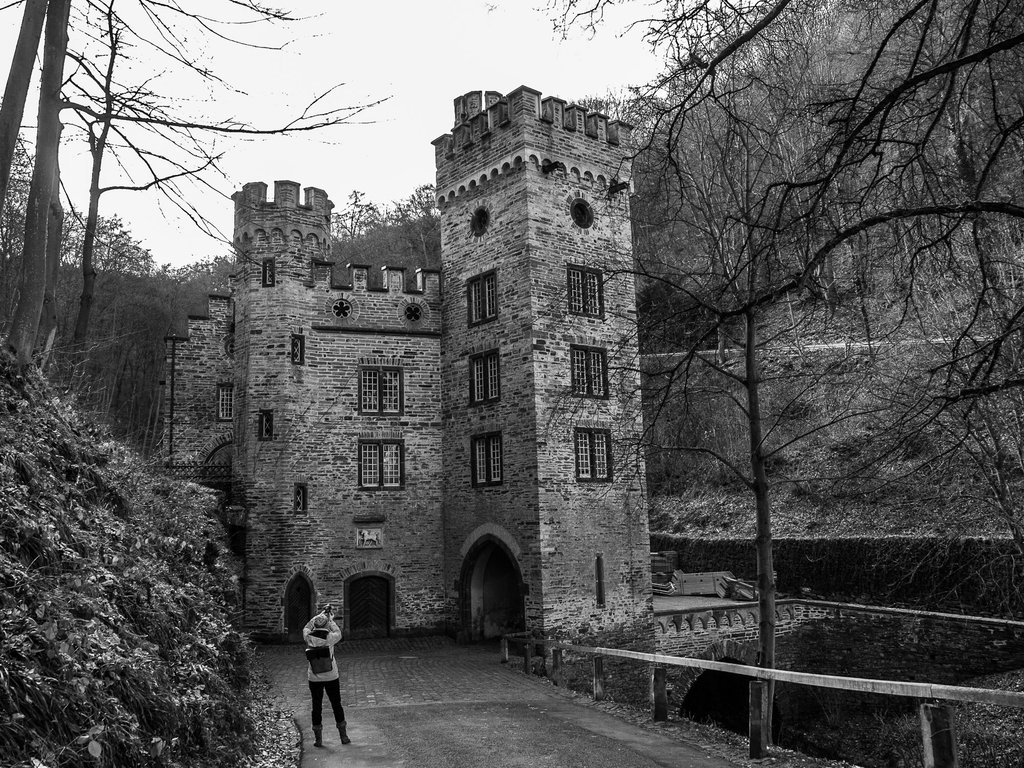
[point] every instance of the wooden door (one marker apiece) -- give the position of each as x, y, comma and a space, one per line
298, 609
369, 607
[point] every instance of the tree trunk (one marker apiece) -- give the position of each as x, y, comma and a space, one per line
12, 110
763, 541
88, 249
22, 337
48, 321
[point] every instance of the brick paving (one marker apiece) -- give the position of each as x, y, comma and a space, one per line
426, 702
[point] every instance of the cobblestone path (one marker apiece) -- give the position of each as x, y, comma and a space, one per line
427, 703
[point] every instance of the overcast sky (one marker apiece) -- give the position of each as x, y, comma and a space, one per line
418, 55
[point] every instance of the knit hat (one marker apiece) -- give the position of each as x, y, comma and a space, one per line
320, 621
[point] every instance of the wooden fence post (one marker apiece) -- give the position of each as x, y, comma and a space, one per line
660, 694
758, 731
598, 678
504, 650
939, 737
556, 666
528, 657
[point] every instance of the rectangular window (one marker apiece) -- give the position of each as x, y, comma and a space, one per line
599, 579
225, 402
482, 298
487, 459
301, 498
268, 275
265, 425
380, 390
298, 349
589, 371
593, 455
381, 464
586, 291
484, 377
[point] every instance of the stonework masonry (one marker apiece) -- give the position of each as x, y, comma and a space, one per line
455, 450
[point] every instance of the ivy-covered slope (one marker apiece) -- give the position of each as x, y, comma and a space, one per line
115, 592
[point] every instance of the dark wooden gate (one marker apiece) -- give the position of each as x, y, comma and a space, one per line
369, 602
298, 602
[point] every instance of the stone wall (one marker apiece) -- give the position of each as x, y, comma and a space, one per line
199, 363
972, 575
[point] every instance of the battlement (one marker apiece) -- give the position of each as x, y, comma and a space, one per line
253, 211
494, 134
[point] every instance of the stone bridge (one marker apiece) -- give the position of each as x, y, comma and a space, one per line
830, 638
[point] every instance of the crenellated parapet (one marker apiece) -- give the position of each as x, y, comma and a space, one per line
284, 224
496, 135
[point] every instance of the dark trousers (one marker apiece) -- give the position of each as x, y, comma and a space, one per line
316, 691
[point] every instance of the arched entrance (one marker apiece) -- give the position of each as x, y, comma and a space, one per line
368, 606
723, 698
491, 592
298, 606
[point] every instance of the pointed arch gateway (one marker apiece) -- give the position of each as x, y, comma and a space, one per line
298, 606
491, 590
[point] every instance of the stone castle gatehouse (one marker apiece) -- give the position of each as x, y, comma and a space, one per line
439, 447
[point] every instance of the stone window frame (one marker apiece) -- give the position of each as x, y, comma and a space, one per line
300, 498
297, 349
379, 397
376, 481
485, 387
265, 425
268, 273
584, 288
591, 454
225, 402
582, 376
482, 298
493, 471
599, 590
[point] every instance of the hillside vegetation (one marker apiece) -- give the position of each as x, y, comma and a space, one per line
115, 642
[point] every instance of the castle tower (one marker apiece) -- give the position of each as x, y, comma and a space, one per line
545, 519
337, 426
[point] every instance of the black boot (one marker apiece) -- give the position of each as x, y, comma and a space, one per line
318, 733
343, 733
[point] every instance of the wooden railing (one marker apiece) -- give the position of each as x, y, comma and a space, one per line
937, 729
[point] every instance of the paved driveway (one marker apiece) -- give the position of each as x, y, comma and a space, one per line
426, 703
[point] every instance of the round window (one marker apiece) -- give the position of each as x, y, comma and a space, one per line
342, 308
581, 212
413, 312
480, 221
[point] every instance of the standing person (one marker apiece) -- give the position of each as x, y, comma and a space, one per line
321, 634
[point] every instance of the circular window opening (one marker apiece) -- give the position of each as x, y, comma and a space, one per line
229, 344
413, 313
480, 221
342, 308
582, 214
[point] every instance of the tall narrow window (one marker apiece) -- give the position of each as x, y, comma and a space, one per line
300, 497
593, 455
298, 352
482, 298
380, 390
487, 459
599, 579
589, 371
268, 276
586, 293
484, 377
265, 425
381, 464
225, 402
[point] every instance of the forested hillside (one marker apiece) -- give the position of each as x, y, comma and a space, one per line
116, 646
